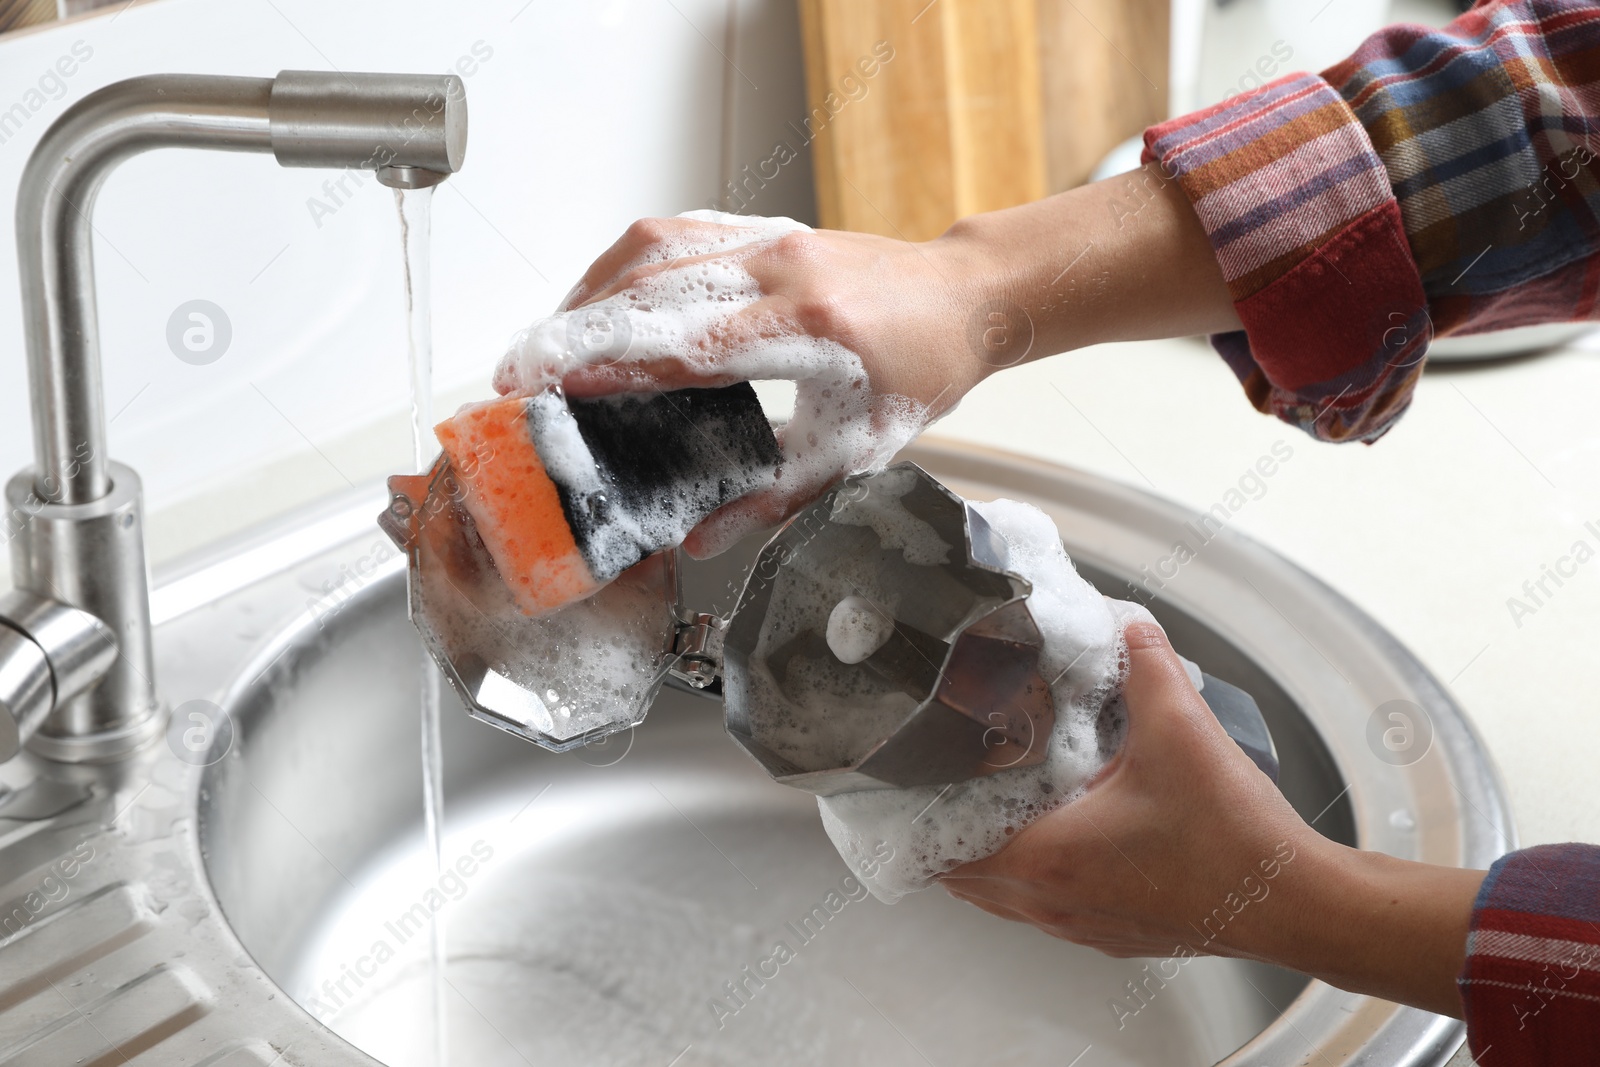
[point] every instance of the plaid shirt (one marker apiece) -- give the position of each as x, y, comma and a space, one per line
1531, 984
1436, 182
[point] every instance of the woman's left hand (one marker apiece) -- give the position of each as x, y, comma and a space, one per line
1178, 822
1182, 847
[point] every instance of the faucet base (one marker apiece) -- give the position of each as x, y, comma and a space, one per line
91, 556
104, 747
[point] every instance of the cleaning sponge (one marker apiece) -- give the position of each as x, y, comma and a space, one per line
569, 494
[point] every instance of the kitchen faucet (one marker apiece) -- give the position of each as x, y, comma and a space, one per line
76, 663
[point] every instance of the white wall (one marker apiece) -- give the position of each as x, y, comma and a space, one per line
584, 116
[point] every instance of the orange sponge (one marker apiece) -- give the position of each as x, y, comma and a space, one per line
515, 505
566, 496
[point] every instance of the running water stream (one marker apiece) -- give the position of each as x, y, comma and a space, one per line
415, 209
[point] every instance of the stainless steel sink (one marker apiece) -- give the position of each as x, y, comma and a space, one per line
600, 904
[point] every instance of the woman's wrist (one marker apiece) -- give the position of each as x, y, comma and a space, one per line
988, 328
1122, 259
1370, 923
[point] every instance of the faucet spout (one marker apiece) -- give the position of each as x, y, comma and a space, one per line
75, 518
413, 134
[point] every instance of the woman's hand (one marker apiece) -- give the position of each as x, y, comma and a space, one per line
1177, 822
872, 331
1182, 847
879, 336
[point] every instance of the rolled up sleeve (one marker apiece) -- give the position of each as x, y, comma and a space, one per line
1309, 237
1531, 984
1435, 182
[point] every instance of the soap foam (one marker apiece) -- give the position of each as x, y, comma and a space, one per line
588, 667
856, 629
839, 426
934, 829
896, 527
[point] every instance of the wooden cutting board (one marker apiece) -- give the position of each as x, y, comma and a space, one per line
970, 105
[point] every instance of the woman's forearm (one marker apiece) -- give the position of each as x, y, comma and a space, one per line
1119, 260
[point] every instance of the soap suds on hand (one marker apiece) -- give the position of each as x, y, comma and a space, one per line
934, 829
839, 425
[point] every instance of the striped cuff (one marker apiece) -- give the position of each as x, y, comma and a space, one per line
1306, 229
1531, 984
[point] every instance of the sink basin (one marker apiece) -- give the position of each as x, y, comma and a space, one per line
615, 890
622, 904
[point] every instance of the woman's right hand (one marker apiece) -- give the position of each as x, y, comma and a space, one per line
874, 333
879, 336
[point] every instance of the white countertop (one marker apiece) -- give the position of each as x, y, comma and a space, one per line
1490, 477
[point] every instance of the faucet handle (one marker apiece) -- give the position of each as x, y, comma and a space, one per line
26, 690
49, 653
